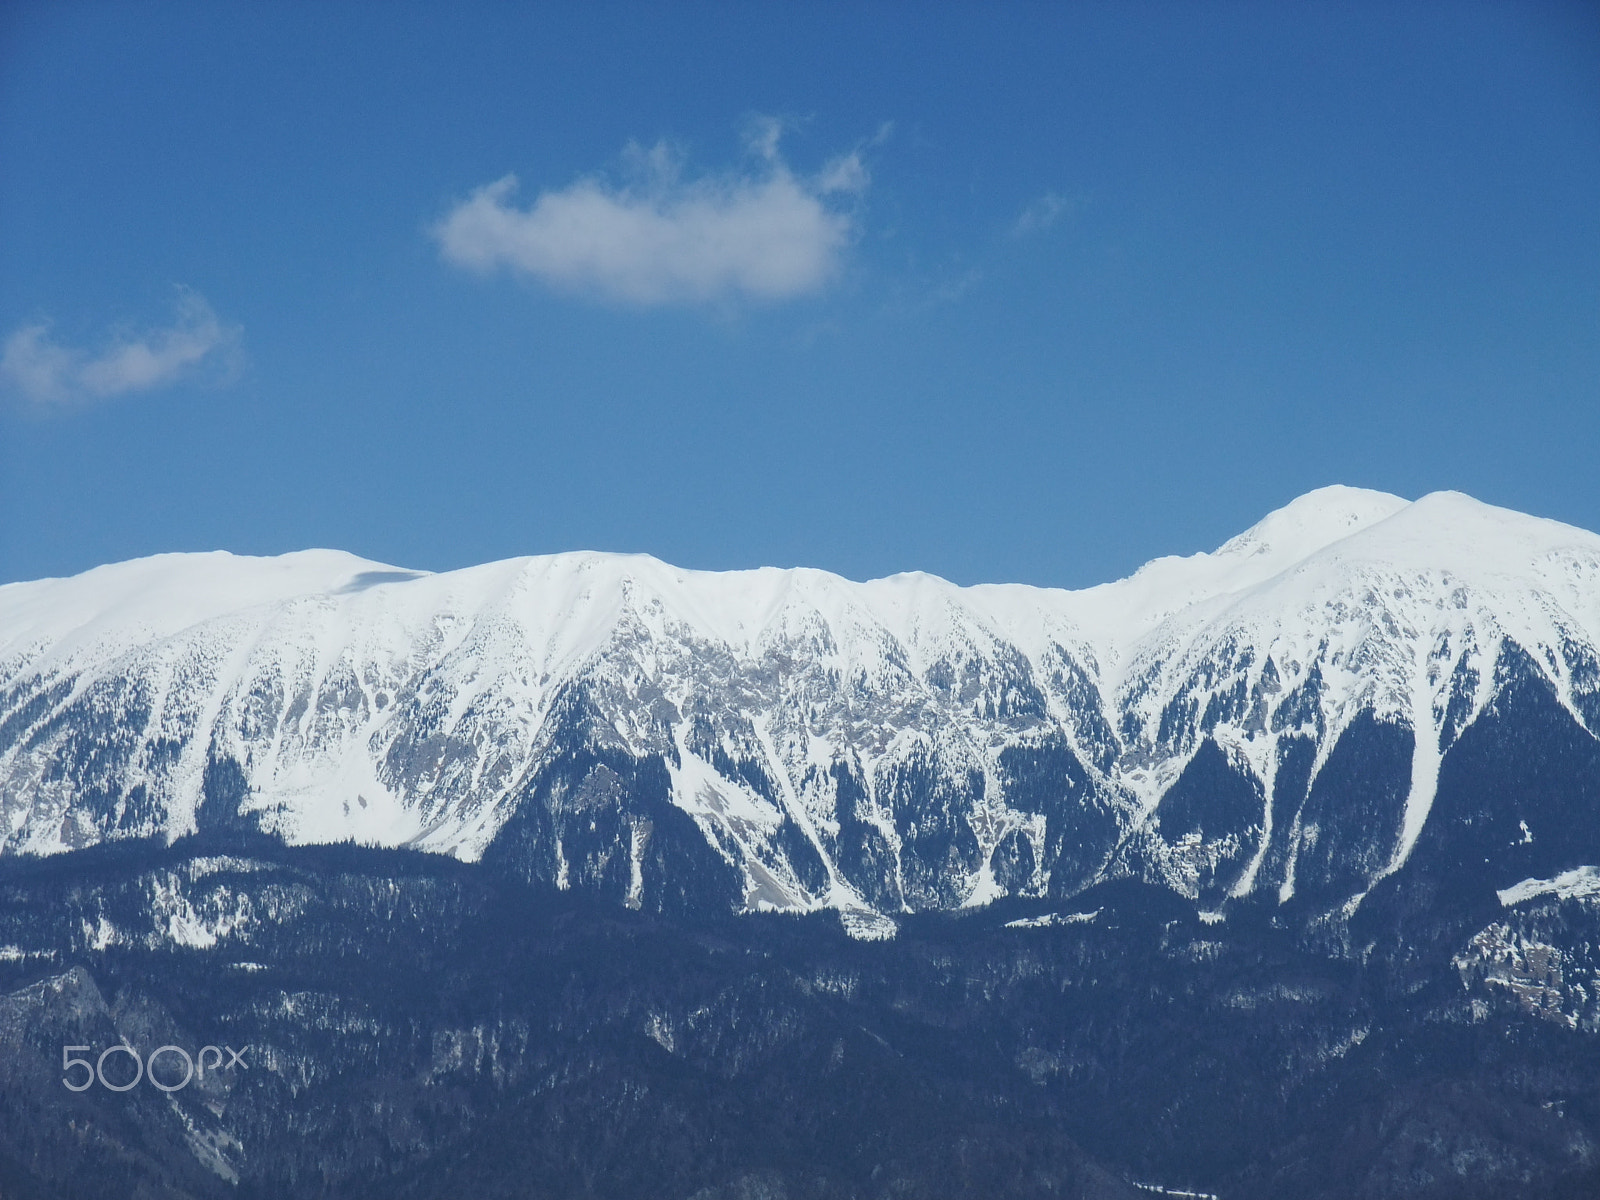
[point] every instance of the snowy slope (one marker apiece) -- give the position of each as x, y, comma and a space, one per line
1403, 618
901, 743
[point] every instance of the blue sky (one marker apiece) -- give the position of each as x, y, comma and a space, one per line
1025, 293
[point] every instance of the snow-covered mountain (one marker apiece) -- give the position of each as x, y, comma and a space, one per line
1269, 718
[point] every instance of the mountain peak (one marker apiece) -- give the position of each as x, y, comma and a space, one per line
1309, 523
1125, 610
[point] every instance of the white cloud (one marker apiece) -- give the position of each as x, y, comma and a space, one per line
763, 233
1041, 214
48, 373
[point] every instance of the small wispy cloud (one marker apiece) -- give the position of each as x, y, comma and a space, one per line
51, 374
762, 232
1040, 214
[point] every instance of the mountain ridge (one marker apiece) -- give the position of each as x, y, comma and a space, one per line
1271, 871
872, 747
